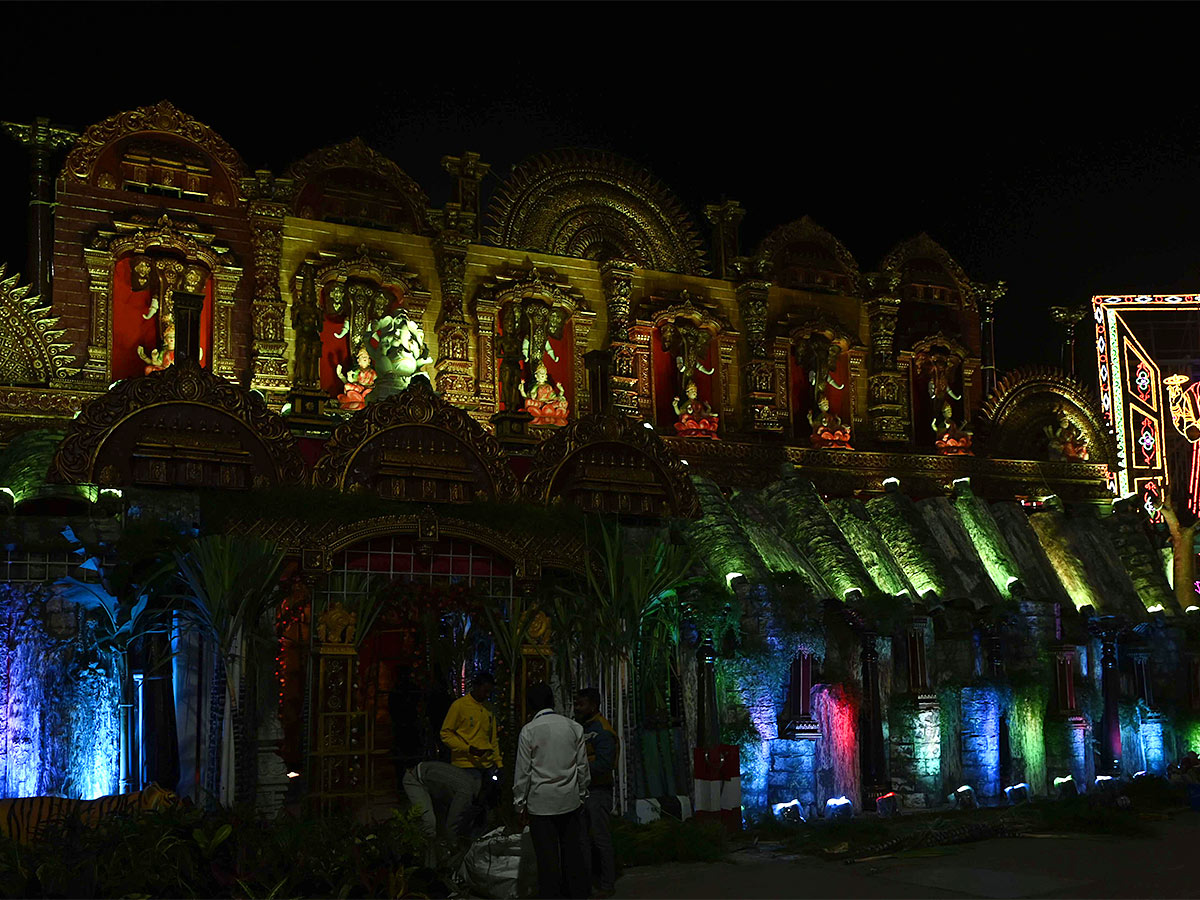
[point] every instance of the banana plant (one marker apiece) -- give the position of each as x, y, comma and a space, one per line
227, 584
123, 616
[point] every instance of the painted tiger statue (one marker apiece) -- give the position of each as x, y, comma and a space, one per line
24, 818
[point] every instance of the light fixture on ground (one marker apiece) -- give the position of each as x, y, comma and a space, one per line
1017, 793
729, 576
838, 808
964, 798
1065, 784
887, 805
788, 812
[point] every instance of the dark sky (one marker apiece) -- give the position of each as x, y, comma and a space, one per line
1054, 147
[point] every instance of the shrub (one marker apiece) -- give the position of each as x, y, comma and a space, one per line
668, 840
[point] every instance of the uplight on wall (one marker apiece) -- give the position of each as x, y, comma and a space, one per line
729, 576
838, 808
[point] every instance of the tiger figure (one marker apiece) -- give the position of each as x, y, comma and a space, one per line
24, 818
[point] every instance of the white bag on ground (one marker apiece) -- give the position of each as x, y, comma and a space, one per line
499, 866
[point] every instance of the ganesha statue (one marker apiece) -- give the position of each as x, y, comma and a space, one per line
1064, 439
398, 353
357, 382
545, 401
696, 418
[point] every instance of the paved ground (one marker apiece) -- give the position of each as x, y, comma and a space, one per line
1167, 865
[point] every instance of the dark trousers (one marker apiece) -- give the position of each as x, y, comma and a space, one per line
597, 836
558, 845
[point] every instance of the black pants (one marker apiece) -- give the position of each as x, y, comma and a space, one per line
558, 844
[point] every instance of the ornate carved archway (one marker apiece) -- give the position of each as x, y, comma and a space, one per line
611, 464
183, 427
594, 205
30, 349
805, 256
416, 446
1023, 417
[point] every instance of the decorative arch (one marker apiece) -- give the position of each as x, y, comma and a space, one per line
611, 464
352, 183
88, 162
927, 272
805, 256
182, 427
594, 205
30, 349
414, 445
1014, 419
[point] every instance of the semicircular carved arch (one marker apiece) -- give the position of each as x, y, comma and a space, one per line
611, 464
1012, 421
183, 426
355, 154
778, 251
161, 118
595, 205
415, 446
923, 247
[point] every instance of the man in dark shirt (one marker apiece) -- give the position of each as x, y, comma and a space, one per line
603, 750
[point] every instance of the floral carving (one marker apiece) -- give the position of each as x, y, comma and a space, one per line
30, 349
183, 384
598, 206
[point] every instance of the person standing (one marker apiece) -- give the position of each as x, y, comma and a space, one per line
550, 783
603, 751
469, 730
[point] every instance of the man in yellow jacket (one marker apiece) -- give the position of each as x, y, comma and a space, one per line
469, 730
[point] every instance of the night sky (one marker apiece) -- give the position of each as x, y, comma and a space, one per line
1063, 168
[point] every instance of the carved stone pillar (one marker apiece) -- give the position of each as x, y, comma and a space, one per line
617, 277
40, 139
988, 295
468, 172
1110, 684
267, 198
453, 368
225, 280
762, 390
99, 261
871, 748
726, 219
887, 404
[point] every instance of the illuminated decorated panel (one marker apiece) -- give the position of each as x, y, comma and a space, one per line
1131, 393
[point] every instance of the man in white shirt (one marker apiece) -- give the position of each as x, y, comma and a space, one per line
549, 786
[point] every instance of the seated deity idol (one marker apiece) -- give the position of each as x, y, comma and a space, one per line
545, 401
357, 382
949, 438
827, 427
160, 358
696, 418
1065, 440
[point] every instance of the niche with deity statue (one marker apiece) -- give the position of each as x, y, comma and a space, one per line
684, 366
144, 311
820, 376
938, 362
343, 304
531, 340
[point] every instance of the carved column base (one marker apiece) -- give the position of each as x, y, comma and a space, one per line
514, 428
308, 407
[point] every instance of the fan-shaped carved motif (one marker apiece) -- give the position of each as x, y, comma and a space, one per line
416, 446
794, 253
182, 427
162, 118
30, 352
1012, 421
597, 206
611, 464
924, 253
356, 155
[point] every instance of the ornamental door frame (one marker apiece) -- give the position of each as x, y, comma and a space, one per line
512, 284
123, 238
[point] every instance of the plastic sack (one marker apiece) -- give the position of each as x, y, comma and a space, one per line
499, 866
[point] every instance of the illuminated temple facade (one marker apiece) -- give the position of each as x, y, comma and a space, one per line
931, 582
